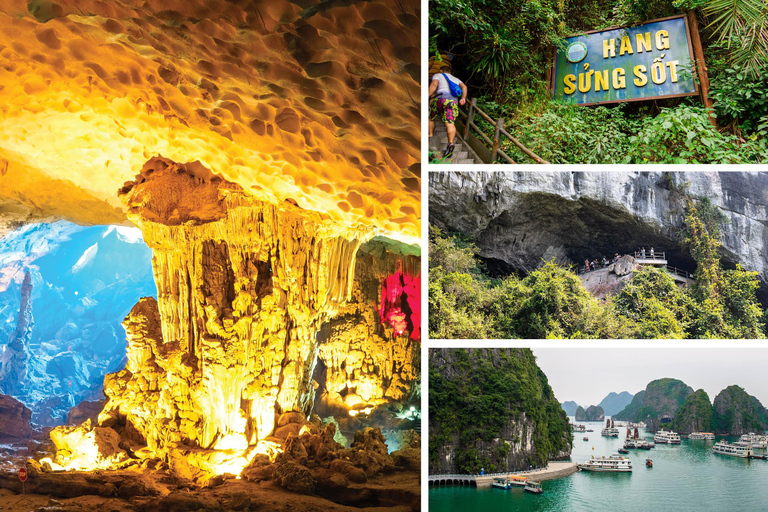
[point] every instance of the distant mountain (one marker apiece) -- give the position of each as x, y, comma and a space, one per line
615, 402
630, 411
570, 407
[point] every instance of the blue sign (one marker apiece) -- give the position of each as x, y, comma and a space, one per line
648, 61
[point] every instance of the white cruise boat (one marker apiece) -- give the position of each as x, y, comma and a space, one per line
579, 428
667, 436
702, 435
500, 483
610, 432
735, 450
615, 463
757, 441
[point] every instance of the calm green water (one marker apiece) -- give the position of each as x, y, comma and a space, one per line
684, 477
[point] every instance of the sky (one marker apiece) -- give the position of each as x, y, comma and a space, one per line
587, 375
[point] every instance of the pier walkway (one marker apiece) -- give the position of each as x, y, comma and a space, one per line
553, 470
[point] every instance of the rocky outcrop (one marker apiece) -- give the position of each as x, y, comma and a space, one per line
478, 418
518, 219
592, 413
609, 281
14, 420
695, 415
737, 413
660, 401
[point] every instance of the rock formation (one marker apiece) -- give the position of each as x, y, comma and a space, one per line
695, 415
581, 414
592, 413
737, 413
243, 288
363, 360
312, 101
482, 405
519, 218
14, 420
660, 401
609, 281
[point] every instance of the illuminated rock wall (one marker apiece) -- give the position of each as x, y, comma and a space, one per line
366, 362
243, 288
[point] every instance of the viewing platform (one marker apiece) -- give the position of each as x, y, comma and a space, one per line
552, 471
658, 260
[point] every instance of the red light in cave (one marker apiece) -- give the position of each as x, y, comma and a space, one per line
401, 303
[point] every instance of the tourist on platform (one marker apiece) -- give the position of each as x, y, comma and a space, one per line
642, 253
651, 252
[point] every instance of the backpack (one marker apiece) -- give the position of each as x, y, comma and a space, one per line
454, 88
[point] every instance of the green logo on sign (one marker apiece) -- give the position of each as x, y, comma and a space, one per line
576, 52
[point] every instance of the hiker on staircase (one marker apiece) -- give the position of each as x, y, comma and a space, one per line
443, 103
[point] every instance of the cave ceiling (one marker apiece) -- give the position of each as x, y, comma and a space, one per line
314, 103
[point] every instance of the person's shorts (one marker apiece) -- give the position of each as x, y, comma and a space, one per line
443, 109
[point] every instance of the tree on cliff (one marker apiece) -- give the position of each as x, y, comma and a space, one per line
695, 415
736, 412
484, 407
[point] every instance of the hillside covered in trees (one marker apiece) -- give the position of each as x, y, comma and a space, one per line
504, 50
551, 302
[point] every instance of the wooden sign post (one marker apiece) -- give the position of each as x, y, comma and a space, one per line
701, 66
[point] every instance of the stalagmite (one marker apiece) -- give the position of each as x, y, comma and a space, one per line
243, 288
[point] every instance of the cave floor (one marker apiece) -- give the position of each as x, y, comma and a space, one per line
395, 492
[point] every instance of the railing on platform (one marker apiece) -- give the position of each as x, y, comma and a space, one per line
649, 256
471, 128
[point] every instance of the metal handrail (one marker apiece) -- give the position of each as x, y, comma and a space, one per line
656, 255
499, 130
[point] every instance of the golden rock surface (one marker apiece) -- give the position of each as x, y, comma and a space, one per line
312, 102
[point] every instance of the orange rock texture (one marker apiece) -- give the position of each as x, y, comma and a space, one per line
307, 101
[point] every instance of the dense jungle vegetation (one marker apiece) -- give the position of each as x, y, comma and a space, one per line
479, 398
550, 302
502, 49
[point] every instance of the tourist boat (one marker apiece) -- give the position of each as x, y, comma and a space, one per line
733, 449
648, 463
500, 483
610, 429
638, 443
702, 435
623, 450
755, 440
667, 436
614, 463
579, 428
534, 487
518, 481
585, 438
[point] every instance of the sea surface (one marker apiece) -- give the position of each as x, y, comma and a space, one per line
686, 477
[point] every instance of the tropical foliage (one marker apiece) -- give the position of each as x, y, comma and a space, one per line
551, 302
504, 48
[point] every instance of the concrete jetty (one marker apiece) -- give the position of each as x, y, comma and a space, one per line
552, 471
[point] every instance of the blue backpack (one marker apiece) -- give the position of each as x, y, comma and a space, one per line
455, 89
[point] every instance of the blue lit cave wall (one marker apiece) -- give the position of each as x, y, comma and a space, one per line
64, 291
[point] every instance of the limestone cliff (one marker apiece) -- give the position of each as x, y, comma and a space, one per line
695, 415
737, 413
519, 218
660, 401
492, 409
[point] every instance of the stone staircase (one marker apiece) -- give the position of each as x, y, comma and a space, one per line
462, 153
